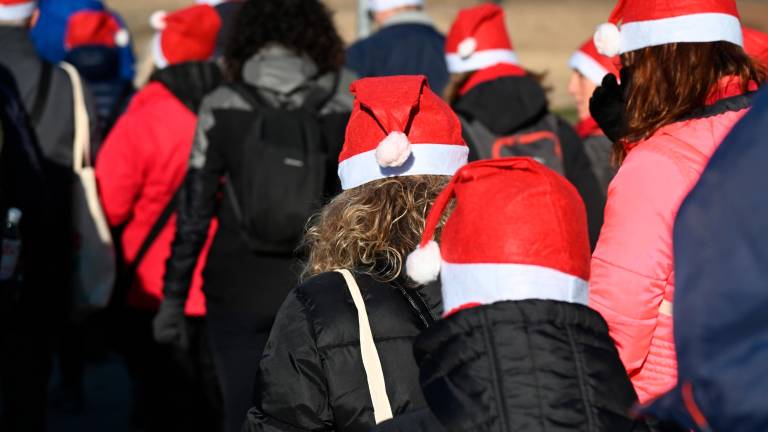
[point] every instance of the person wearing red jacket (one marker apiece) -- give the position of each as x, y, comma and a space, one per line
685, 82
139, 169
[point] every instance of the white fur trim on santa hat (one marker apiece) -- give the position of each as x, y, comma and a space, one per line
393, 150
157, 52
464, 284
479, 60
382, 5
211, 2
423, 264
17, 12
425, 159
588, 67
704, 27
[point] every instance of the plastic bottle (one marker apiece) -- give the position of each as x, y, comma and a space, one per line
11, 245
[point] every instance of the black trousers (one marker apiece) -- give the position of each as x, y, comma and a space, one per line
238, 341
173, 389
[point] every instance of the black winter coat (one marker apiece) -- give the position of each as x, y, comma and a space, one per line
311, 377
508, 105
533, 365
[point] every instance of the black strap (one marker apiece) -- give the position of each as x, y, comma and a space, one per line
155, 231
43, 88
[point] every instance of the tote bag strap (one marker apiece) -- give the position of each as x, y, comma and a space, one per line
81, 151
382, 411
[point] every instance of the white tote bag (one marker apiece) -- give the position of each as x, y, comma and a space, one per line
382, 410
94, 264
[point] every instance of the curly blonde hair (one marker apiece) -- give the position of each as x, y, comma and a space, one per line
371, 228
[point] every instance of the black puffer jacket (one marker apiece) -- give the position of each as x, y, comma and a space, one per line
510, 105
311, 376
533, 365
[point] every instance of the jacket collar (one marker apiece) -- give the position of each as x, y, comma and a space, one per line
409, 17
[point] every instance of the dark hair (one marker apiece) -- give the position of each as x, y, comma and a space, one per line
670, 81
304, 26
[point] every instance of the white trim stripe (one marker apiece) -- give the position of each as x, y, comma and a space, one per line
381, 5
588, 67
157, 52
425, 159
705, 27
479, 60
17, 12
489, 283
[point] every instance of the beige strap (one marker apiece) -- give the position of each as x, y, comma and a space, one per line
666, 307
81, 151
382, 410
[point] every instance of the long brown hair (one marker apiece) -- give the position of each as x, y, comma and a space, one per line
670, 81
373, 227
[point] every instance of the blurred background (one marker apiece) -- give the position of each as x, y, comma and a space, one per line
545, 32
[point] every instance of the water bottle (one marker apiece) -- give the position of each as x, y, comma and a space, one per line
11, 245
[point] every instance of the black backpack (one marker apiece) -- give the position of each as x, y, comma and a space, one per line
284, 172
539, 141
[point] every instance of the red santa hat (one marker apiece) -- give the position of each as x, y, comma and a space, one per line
185, 35
15, 10
399, 127
518, 231
382, 5
92, 27
478, 39
592, 64
647, 23
756, 45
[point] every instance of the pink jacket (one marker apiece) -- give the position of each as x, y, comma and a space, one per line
633, 282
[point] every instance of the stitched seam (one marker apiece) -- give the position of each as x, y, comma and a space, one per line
595, 258
501, 406
580, 374
536, 377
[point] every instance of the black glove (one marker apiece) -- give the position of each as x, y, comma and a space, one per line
608, 105
170, 324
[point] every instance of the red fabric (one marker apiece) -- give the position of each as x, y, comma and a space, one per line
494, 72
632, 266
190, 34
512, 211
756, 45
588, 127
484, 23
14, 2
628, 11
140, 166
611, 64
398, 104
89, 27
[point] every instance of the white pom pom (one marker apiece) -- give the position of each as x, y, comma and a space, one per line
157, 20
467, 47
393, 150
423, 264
607, 39
122, 38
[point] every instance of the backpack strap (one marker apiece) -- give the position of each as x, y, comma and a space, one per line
382, 410
43, 88
154, 232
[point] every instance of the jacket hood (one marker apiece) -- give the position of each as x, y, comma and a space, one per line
189, 82
505, 104
285, 78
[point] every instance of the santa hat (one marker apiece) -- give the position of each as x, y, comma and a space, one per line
381, 5
592, 65
210, 2
756, 45
647, 23
478, 39
15, 10
518, 231
91, 27
399, 127
186, 35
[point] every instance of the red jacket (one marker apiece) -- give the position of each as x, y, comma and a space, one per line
140, 166
633, 280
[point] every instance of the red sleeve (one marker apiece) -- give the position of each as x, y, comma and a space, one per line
120, 170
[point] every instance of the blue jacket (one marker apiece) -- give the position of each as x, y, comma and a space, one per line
406, 45
721, 302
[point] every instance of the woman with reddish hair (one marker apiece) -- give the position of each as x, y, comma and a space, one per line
685, 82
